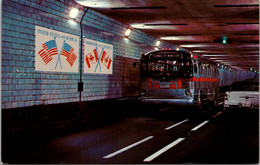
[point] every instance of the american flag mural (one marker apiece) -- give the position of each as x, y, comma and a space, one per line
56, 51
49, 49
68, 52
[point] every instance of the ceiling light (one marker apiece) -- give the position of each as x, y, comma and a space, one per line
101, 3
72, 22
138, 26
218, 55
187, 38
158, 43
239, 5
157, 26
74, 12
224, 40
197, 45
127, 32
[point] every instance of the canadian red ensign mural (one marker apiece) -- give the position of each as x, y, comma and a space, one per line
98, 57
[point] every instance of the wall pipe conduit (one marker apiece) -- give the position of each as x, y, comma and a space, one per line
80, 84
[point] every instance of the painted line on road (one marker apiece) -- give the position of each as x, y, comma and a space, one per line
202, 124
127, 148
176, 124
164, 149
217, 114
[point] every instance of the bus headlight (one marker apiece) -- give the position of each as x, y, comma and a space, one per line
142, 92
188, 92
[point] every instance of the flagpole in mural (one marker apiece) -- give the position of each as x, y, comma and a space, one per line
58, 61
98, 63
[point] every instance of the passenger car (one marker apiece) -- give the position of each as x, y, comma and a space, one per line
242, 95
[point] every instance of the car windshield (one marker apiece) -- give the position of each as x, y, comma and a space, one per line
245, 86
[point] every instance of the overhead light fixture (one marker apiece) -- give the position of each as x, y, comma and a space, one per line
197, 46
72, 22
158, 43
224, 40
186, 38
239, 5
138, 26
127, 32
74, 12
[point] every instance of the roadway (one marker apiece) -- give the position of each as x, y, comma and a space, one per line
150, 135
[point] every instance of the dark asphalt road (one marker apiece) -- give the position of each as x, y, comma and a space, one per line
162, 136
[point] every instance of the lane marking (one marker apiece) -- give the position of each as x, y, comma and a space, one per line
217, 114
176, 124
197, 127
164, 149
128, 147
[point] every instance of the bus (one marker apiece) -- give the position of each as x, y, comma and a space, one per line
178, 78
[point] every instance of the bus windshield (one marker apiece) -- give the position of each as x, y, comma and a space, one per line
167, 68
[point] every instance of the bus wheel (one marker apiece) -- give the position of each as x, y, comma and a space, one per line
197, 110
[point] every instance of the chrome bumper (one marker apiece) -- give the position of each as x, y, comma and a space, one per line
183, 102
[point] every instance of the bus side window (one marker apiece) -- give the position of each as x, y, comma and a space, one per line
195, 68
200, 68
203, 69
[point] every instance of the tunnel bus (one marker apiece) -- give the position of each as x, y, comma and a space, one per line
178, 78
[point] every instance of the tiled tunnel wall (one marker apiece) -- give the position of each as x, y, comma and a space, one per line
41, 100
22, 86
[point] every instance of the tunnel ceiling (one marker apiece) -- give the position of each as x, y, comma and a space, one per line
196, 25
